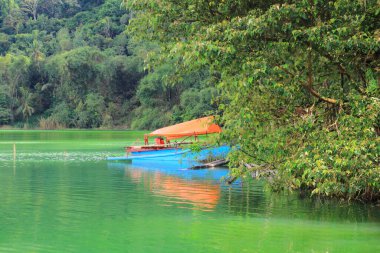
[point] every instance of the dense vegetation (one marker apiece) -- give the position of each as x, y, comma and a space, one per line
297, 83
69, 63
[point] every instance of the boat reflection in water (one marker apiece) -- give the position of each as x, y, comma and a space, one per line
180, 187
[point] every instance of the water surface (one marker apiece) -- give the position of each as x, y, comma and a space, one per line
60, 195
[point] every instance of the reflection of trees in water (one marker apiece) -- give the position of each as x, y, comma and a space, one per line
252, 199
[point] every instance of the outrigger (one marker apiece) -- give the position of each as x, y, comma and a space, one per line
165, 150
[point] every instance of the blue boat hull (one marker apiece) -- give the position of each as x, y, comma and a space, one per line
179, 154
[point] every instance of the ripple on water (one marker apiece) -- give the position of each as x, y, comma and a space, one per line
56, 156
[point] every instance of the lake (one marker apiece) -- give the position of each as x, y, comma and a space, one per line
60, 195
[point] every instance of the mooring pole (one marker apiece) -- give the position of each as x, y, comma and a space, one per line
14, 159
14, 151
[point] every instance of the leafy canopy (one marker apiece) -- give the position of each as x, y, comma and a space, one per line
298, 82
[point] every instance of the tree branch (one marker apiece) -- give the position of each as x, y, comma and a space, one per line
309, 84
317, 95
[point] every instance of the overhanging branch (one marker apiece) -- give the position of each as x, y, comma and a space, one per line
309, 84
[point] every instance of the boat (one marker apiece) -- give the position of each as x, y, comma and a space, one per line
165, 149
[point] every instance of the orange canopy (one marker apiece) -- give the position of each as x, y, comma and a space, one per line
190, 128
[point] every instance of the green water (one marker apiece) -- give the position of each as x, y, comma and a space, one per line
60, 195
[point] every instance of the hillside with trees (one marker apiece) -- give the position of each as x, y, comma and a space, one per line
70, 64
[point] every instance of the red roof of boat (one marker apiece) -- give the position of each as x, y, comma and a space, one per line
199, 126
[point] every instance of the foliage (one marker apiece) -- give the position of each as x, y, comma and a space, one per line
5, 113
89, 113
68, 53
25, 108
298, 82
14, 71
63, 115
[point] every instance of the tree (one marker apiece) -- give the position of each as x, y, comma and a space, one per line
30, 7
4, 43
64, 39
90, 113
5, 114
58, 8
14, 19
298, 82
36, 54
53, 8
25, 103
6, 6
54, 53
14, 73
79, 38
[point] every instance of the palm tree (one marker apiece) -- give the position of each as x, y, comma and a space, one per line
25, 103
